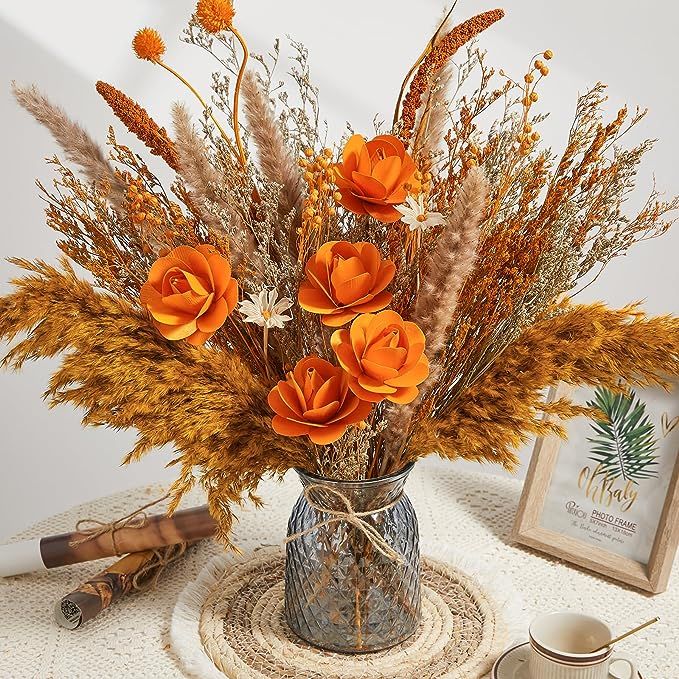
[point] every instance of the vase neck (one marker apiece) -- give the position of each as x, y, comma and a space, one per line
363, 495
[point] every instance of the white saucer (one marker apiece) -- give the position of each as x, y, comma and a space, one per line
513, 664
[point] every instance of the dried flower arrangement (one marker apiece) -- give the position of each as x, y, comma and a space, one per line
346, 310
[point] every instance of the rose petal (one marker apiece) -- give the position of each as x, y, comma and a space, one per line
393, 358
338, 318
323, 414
221, 273
327, 435
341, 345
353, 289
231, 295
288, 428
362, 393
345, 270
376, 386
176, 332
314, 300
353, 411
357, 333
378, 372
369, 186
370, 257
291, 396
351, 201
404, 396
383, 213
327, 392
214, 317
388, 172
412, 377
199, 338
375, 304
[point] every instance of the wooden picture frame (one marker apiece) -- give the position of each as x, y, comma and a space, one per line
529, 531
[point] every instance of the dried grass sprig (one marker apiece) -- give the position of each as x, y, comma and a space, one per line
76, 143
139, 122
205, 179
451, 261
276, 161
115, 366
581, 345
437, 58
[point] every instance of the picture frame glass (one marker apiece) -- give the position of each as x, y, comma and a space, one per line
611, 478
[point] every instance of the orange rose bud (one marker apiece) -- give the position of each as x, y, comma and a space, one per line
373, 175
345, 279
190, 293
315, 401
384, 356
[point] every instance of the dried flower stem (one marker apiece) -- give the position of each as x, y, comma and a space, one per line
203, 103
236, 93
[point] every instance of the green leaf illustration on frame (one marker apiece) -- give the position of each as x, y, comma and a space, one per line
625, 442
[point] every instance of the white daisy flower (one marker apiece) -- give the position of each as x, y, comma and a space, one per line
265, 309
416, 216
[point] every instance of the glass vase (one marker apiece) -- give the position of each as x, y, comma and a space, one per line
352, 572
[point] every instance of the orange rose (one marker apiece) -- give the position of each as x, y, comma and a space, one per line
345, 279
190, 293
384, 356
315, 401
375, 176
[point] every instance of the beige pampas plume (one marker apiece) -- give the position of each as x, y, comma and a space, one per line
452, 261
276, 161
203, 178
77, 145
196, 168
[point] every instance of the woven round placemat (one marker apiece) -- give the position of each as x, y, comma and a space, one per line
242, 628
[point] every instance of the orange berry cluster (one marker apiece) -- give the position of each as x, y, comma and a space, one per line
528, 137
319, 203
143, 206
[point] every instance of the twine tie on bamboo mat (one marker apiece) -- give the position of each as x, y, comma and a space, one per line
135, 519
353, 518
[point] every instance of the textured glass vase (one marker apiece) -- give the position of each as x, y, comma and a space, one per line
341, 592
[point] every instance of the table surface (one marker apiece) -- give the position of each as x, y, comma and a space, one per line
470, 512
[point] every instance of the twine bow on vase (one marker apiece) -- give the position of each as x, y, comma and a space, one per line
350, 516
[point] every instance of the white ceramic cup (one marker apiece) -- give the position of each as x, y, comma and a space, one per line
561, 645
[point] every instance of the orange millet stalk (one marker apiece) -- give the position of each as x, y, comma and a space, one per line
140, 123
436, 60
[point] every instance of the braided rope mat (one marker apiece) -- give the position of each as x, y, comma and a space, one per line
234, 611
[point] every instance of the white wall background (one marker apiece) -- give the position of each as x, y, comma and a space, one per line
360, 51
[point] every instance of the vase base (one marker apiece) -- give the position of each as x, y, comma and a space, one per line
351, 650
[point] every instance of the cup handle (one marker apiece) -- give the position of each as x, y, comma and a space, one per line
625, 658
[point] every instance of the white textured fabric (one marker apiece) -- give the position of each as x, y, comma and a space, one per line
470, 512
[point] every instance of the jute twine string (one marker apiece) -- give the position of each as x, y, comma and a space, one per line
91, 529
149, 574
350, 516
